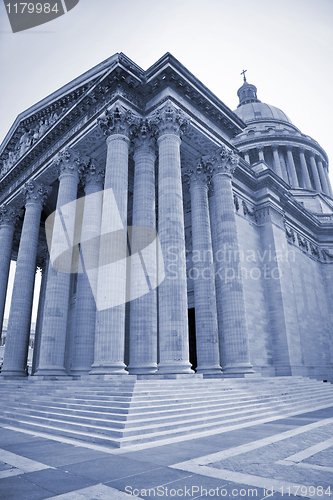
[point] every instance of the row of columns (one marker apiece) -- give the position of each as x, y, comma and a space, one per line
282, 169
99, 340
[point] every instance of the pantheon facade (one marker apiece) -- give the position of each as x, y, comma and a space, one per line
174, 236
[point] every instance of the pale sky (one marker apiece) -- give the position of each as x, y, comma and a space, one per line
286, 46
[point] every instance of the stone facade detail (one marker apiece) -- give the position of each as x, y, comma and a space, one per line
179, 240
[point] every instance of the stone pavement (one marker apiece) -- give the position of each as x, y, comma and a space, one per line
285, 458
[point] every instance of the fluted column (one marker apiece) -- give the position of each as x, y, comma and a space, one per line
111, 286
42, 264
54, 329
323, 177
315, 173
18, 332
292, 168
261, 153
277, 164
247, 156
8, 218
85, 309
172, 293
206, 328
143, 318
328, 182
234, 344
305, 171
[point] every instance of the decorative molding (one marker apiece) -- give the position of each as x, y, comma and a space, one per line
35, 192
221, 161
170, 120
248, 211
67, 162
9, 215
307, 246
236, 202
118, 120
144, 134
91, 172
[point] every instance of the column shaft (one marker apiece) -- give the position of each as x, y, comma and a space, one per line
292, 169
39, 322
54, 329
19, 324
277, 164
173, 315
204, 283
85, 310
261, 154
305, 171
6, 241
315, 174
111, 287
143, 317
323, 178
234, 345
247, 156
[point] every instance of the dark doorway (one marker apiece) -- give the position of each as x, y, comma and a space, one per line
191, 337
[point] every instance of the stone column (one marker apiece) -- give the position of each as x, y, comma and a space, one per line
42, 264
292, 168
234, 344
172, 293
305, 171
277, 164
85, 310
323, 178
8, 218
206, 328
261, 153
54, 329
143, 317
328, 183
315, 173
247, 156
111, 287
18, 333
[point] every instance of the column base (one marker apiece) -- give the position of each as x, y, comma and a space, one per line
176, 367
78, 372
209, 369
116, 368
142, 369
237, 368
51, 373
13, 373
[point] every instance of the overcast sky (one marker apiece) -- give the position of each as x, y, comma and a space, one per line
286, 46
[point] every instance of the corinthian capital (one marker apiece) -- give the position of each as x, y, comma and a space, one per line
67, 162
221, 161
117, 121
35, 192
92, 172
144, 134
197, 174
170, 120
9, 215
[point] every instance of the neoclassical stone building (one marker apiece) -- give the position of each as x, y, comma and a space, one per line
231, 270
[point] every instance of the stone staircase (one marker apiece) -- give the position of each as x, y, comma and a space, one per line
122, 413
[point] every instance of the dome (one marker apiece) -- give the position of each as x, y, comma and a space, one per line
255, 111
251, 109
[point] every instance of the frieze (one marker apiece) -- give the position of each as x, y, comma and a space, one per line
294, 238
248, 211
236, 203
